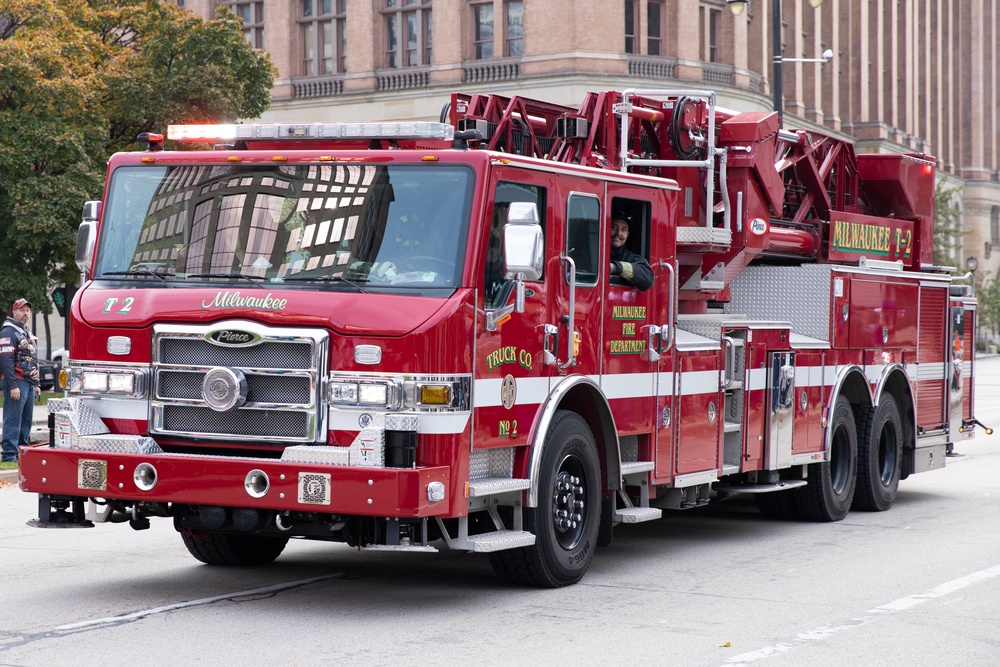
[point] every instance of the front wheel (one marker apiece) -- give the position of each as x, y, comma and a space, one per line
567, 519
880, 454
830, 491
230, 549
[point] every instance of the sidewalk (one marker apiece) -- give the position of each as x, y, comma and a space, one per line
39, 433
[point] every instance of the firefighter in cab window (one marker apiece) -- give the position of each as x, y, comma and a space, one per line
626, 264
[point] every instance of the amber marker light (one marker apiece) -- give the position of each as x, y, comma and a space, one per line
279, 158
148, 160
235, 158
435, 394
430, 158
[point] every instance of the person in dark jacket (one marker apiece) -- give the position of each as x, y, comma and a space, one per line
631, 266
19, 372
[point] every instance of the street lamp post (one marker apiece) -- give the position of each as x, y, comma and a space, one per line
737, 7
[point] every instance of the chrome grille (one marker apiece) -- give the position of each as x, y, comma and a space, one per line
283, 373
194, 352
268, 423
278, 389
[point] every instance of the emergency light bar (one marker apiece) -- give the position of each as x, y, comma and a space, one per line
310, 131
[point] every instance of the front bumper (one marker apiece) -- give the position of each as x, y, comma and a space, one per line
217, 480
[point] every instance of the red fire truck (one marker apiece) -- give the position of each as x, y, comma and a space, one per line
407, 336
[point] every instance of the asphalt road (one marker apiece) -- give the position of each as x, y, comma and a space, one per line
914, 586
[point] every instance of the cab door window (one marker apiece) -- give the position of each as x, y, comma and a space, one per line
497, 288
583, 236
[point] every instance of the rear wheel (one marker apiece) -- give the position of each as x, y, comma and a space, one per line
830, 491
566, 521
879, 454
231, 549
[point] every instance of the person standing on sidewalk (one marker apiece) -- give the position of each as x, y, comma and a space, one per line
19, 368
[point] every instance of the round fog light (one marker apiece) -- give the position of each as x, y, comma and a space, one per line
257, 483
145, 476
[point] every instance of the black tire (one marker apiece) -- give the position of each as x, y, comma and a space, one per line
569, 485
880, 452
231, 549
779, 505
830, 491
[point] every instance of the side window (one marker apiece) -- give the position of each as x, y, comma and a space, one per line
497, 288
638, 213
583, 240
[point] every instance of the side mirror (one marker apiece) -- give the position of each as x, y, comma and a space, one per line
86, 237
523, 243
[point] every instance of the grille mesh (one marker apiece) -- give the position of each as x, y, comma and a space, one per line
198, 352
268, 423
260, 388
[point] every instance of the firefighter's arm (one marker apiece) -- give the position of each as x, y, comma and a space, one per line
638, 272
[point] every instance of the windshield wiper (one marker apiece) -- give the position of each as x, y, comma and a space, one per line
140, 272
356, 284
256, 282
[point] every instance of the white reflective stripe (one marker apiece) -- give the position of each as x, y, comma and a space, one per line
444, 422
699, 382
757, 379
627, 385
932, 371
119, 408
530, 391
533, 391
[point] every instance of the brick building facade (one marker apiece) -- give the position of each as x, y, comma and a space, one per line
906, 75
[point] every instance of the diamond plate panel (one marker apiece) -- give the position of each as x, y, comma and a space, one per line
401, 422
334, 456
629, 445
497, 462
800, 295
119, 444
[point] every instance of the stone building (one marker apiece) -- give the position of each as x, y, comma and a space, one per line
905, 75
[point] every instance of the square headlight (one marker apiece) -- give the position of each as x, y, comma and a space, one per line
93, 381
121, 383
373, 394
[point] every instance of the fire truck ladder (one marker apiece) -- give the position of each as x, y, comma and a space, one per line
635, 106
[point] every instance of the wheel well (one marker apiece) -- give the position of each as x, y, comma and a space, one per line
856, 390
897, 386
586, 401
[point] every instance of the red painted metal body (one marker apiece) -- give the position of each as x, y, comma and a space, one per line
809, 279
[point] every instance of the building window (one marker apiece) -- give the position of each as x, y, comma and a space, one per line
252, 14
408, 36
995, 225
654, 28
514, 47
630, 26
711, 21
323, 31
482, 32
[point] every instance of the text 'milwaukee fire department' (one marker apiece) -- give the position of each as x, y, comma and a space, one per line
405, 336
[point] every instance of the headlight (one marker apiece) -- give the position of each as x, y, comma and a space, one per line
373, 394
105, 381
95, 382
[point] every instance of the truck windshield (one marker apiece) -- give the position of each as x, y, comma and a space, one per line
378, 225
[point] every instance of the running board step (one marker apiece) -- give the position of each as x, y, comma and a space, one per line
491, 486
760, 488
637, 514
499, 540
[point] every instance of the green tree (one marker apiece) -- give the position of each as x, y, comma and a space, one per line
948, 234
79, 80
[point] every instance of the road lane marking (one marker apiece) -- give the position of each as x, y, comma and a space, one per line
97, 623
872, 615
